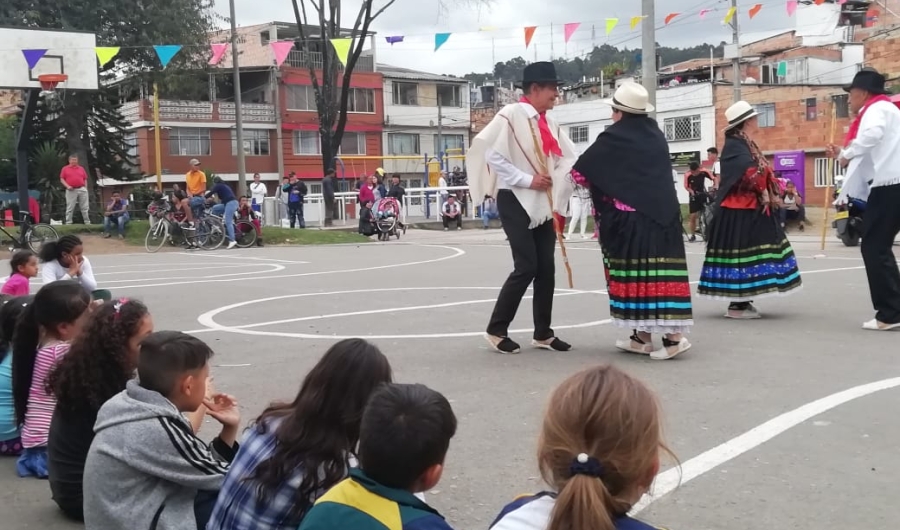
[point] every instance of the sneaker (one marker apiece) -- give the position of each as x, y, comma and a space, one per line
121, 236
106, 236
232, 244
445, 229
553, 344
459, 228
748, 313
503, 344
670, 349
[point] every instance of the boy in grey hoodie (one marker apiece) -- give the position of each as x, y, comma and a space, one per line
146, 469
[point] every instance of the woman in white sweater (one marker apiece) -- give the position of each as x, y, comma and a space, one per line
65, 260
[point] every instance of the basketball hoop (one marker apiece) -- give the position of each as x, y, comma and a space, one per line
50, 81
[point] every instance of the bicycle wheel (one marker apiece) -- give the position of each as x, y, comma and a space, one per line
215, 234
38, 234
244, 234
156, 237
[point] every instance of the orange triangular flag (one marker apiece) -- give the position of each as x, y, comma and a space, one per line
755, 9
670, 16
820, 2
529, 32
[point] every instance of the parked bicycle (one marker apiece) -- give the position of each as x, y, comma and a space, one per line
31, 236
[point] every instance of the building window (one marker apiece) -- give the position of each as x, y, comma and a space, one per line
361, 100
184, 141
353, 144
449, 96
406, 93
841, 105
403, 144
454, 143
130, 145
579, 134
256, 142
811, 112
682, 128
823, 177
300, 97
766, 116
307, 143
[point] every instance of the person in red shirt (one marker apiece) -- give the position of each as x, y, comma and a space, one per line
74, 179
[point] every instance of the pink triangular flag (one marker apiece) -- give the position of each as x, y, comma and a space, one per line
791, 7
703, 13
281, 50
569, 29
218, 51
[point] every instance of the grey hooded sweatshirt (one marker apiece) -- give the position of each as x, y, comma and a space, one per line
145, 465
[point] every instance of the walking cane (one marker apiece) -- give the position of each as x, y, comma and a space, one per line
831, 180
542, 160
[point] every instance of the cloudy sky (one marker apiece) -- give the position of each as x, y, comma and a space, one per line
494, 32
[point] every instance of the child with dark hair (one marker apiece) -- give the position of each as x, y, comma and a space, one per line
65, 260
99, 364
403, 440
42, 337
10, 441
24, 265
146, 468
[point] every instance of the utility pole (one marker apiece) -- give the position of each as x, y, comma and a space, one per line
440, 138
156, 141
551, 42
648, 50
238, 115
736, 62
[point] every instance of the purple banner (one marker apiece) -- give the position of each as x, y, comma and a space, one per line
792, 166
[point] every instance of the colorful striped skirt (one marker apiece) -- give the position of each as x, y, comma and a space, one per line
747, 257
646, 272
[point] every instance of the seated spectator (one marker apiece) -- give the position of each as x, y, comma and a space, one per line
65, 260
451, 212
367, 219
146, 468
791, 207
489, 210
24, 265
247, 213
268, 486
10, 440
116, 214
403, 440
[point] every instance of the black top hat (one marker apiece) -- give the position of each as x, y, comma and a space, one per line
868, 79
540, 72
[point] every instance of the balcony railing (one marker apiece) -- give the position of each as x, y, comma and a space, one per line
200, 111
302, 59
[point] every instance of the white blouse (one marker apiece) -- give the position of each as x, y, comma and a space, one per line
52, 271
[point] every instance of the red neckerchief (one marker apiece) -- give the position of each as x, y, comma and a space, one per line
854, 127
547, 140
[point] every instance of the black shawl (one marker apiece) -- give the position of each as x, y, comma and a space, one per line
629, 161
736, 159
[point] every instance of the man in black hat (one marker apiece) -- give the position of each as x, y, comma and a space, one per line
871, 155
517, 158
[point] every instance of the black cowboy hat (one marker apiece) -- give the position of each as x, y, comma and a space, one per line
868, 79
540, 72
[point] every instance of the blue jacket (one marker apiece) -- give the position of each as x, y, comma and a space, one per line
360, 503
532, 512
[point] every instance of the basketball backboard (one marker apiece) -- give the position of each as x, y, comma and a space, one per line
70, 53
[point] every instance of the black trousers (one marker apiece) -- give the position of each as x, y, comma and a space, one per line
533, 254
295, 214
448, 220
881, 224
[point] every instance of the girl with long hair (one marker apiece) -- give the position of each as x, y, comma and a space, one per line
296, 451
599, 450
101, 360
42, 337
65, 260
10, 442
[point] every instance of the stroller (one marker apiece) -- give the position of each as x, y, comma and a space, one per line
387, 218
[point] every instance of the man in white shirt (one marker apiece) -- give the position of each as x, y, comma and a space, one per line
713, 165
257, 193
451, 213
442, 186
871, 155
520, 155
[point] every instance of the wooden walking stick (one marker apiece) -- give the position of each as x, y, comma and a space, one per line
831, 178
542, 161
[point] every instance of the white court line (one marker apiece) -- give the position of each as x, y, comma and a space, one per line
186, 269
670, 479
210, 255
275, 268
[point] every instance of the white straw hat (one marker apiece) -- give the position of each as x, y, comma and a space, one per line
632, 98
739, 113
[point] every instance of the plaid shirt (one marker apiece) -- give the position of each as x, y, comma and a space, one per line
238, 507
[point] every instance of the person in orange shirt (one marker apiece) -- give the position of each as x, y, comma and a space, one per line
196, 187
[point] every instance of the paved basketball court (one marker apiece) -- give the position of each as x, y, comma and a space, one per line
785, 422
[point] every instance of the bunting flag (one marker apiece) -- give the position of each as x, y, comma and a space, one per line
635, 21
610, 24
529, 33
32, 57
669, 17
820, 2
394, 39
755, 10
218, 51
440, 39
165, 52
105, 54
569, 29
281, 49
791, 7
703, 13
730, 15
342, 48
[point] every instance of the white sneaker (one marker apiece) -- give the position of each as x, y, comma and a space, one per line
232, 244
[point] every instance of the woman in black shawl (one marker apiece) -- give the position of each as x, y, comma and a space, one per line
747, 253
630, 177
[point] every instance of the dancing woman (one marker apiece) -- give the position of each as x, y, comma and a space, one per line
747, 253
630, 178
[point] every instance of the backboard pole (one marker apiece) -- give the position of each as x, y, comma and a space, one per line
156, 139
23, 146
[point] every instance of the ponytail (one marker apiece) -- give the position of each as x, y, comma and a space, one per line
25, 342
584, 502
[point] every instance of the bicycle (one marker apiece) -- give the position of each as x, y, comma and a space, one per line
31, 236
166, 229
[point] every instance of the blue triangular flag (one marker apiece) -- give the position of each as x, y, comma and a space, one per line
440, 39
166, 52
32, 57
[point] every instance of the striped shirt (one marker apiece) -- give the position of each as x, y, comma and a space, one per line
40, 407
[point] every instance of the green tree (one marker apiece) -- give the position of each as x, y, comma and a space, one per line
7, 152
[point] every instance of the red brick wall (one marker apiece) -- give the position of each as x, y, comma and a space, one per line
882, 54
220, 160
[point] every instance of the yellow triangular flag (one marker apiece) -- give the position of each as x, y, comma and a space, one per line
342, 48
610, 24
105, 54
635, 21
730, 15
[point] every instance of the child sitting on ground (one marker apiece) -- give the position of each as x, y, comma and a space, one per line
42, 337
10, 442
599, 450
145, 467
24, 265
247, 213
403, 439
367, 219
